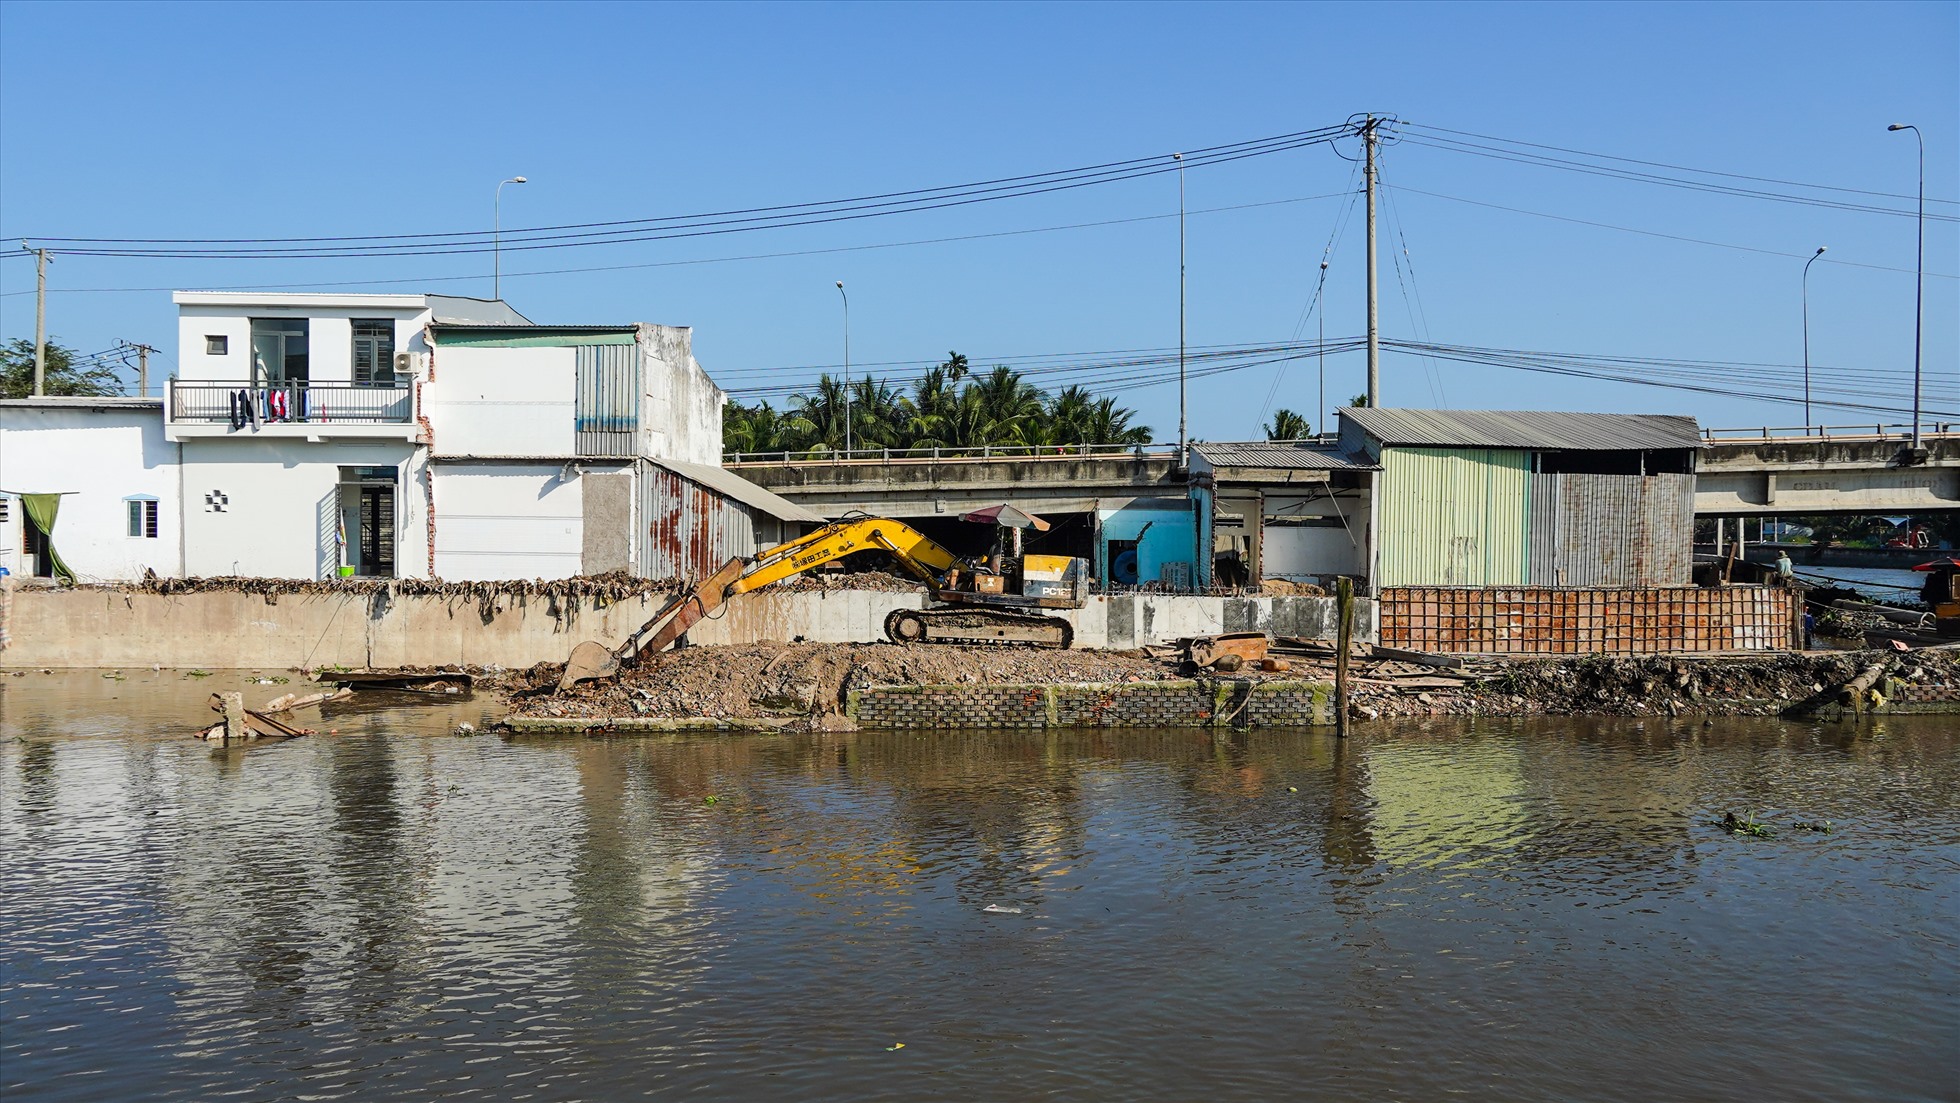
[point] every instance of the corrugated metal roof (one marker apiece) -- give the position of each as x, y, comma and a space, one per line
1543, 429
734, 486
1304, 457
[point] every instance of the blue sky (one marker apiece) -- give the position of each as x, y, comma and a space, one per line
292, 120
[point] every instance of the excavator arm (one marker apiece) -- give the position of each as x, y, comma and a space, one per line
914, 550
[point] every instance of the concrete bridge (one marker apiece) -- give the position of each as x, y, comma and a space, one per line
1741, 472
947, 482
1863, 469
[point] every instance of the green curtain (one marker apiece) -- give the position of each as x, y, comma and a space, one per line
41, 509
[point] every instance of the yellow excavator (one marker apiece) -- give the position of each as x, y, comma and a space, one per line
973, 604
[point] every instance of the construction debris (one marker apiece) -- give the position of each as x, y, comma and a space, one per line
446, 682
241, 724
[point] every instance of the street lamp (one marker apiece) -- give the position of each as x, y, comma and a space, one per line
847, 369
1919, 286
497, 245
1806, 332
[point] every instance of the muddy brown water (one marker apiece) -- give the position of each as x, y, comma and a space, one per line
1532, 910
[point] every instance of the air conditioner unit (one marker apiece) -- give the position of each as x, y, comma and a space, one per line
407, 364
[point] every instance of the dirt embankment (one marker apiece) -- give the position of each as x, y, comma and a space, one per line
809, 679
1724, 685
814, 681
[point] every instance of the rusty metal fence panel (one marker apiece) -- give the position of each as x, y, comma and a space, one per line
691, 531
607, 411
1611, 530
1617, 621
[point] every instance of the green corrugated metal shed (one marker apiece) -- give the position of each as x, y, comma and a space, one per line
1453, 517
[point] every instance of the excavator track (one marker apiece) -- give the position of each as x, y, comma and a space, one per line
977, 627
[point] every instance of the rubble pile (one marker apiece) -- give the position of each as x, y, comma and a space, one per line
615, 586
812, 682
807, 679
883, 582
1654, 685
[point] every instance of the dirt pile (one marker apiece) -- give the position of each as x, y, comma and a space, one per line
879, 581
815, 680
1656, 685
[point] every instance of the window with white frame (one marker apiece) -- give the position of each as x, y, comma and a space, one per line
142, 517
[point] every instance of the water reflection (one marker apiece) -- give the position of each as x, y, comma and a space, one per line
1533, 910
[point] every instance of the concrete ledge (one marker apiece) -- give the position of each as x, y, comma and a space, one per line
71, 628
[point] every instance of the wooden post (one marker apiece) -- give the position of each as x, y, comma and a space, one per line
1344, 594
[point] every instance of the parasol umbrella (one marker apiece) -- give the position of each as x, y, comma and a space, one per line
1007, 516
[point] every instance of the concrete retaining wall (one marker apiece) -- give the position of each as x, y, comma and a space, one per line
1178, 704
223, 629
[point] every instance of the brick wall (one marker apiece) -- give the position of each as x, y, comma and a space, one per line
1167, 704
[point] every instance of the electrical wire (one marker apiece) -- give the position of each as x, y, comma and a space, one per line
1677, 168
679, 227
417, 281
1667, 237
1454, 145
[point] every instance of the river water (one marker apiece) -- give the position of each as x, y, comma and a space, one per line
1495, 909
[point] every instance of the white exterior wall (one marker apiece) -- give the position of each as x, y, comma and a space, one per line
280, 512
329, 337
104, 456
681, 418
503, 401
508, 521
1306, 553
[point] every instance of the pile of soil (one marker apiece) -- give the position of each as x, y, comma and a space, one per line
815, 680
1671, 685
883, 582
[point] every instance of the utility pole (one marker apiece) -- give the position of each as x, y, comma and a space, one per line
40, 317
1321, 293
1374, 330
142, 367
1183, 445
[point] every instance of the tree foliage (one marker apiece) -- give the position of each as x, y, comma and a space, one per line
1287, 425
949, 406
61, 376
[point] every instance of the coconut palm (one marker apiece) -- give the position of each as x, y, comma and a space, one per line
1287, 425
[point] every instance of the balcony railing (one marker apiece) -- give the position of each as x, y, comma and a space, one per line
297, 403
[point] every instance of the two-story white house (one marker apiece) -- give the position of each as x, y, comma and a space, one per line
332, 435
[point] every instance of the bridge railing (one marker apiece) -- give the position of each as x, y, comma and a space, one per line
1880, 431
982, 451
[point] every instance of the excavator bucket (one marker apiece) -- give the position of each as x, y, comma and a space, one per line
589, 660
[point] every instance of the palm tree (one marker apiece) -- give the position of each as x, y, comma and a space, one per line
758, 428
1110, 424
1011, 406
1066, 418
819, 417
878, 414
1287, 425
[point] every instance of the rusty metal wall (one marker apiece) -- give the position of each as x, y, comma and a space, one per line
608, 405
690, 530
1619, 621
1611, 530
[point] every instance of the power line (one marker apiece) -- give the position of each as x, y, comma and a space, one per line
699, 260
1453, 145
1657, 233
1678, 168
678, 227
